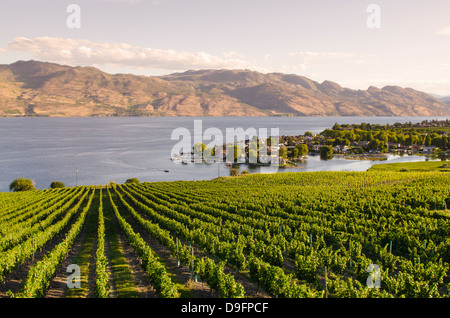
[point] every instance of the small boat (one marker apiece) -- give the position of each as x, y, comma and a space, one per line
166, 170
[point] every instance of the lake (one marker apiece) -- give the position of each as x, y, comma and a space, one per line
116, 149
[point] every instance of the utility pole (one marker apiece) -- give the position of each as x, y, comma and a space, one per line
217, 154
218, 168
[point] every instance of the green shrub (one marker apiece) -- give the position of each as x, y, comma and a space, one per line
133, 180
22, 184
234, 172
57, 185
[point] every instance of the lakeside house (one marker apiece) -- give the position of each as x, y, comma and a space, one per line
428, 149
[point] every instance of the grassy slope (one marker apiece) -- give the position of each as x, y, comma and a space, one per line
413, 166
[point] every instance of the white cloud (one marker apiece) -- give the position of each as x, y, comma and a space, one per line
444, 31
326, 65
154, 2
86, 52
127, 1
314, 60
323, 55
233, 55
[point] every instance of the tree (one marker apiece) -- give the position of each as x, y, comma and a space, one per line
302, 149
199, 148
337, 127
383, 137
308, 134
57, 185
283, 152
409, 140
428, 140
133, 180
236, 151
326, 152
341, 142
22, 184
253, 156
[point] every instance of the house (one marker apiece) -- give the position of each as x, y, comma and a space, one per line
428, 149
363, 143
417, 148
344, 148
394, 145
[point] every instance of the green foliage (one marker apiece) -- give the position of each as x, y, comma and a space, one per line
133, 180
156, 271
101, 270
22, 184
234, 172
57, 185
411, 166
280, 229
326, 152
302, 149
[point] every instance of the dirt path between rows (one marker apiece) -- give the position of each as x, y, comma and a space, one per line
58, 286
140, 277
198, 289
142, 282
182, 273
15, 281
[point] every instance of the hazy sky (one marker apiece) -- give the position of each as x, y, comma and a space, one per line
321, 39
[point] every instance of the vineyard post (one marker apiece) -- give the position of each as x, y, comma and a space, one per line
390, 247
192, 267
325, 275
178, 259
34, 248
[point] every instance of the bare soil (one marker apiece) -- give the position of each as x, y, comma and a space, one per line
199, 289
15, 281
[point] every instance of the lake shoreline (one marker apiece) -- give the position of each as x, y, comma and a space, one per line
47, 149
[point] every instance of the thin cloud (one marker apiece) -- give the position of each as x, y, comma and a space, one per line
155, 2
444, 31
86, 52
322, 59
323, 55
126, 1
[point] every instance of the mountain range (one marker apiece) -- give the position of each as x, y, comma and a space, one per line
33, 88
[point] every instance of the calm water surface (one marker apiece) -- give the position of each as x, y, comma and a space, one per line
115, 149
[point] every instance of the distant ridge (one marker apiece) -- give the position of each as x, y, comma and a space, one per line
32, 88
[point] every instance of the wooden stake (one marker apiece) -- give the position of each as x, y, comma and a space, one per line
178, 259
